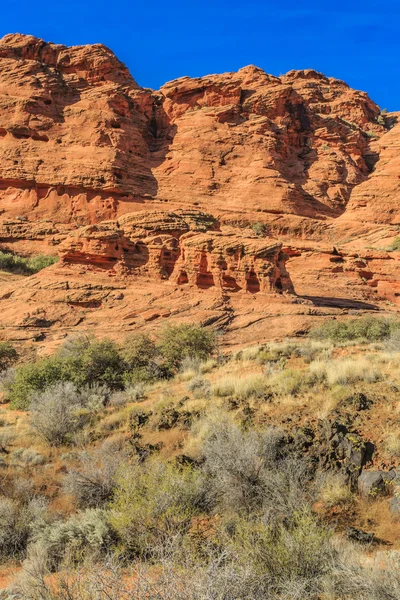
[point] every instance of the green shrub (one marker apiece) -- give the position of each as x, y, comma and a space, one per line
260, 229
368, 328
177, 342
154, 503
86, 361
25, 266
8, 355
85, 534
30, 378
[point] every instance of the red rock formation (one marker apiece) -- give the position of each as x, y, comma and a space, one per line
81, 142
175, 249
150, 197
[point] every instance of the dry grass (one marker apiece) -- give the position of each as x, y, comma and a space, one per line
242, 388
334, 490
345, 371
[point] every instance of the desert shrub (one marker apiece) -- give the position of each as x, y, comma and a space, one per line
135, 393
23, 265
8, 355
94, 396
315, 349
180, 341
371, 329
154, 503
189, 367
293, 556
7, 436
251, 471
200, 387
86, 361
392, 343
55, 413
93, 482
242, 388
30, 378
16, 521
260, 229
84, 534
7, 379
143, 360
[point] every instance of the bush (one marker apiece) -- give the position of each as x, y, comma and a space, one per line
16, 522
371, 329
83, 535
31, 378
8, 355
93, 483
55, 413
251, 471
25, 266
92, 365
153, 504
178, 342
86, 361
200, 387
143, 361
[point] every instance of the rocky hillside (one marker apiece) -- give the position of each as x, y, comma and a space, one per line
227, 199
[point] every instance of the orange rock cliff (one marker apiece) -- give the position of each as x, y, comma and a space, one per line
246, 201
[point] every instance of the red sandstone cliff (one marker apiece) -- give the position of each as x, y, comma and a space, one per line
156, 189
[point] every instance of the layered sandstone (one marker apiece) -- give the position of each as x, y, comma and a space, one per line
183, 248
80, 141
238, 200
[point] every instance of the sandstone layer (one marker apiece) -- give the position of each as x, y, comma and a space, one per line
235, 199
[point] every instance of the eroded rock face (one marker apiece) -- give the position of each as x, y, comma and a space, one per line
81, 142
185, 248
177, 203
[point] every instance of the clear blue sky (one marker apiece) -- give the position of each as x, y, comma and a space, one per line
159, 40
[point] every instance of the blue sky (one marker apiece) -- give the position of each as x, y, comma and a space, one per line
159, 41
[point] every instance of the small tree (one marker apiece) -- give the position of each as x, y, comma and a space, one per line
142, 360
87, 360
31, 378
180, 341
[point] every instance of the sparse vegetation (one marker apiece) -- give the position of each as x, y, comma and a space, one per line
8, 355
369, 329
230, 478
23, 265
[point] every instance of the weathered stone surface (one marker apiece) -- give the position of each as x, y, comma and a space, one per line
375, 483
175, 249
80, 141
205, 185
394, 506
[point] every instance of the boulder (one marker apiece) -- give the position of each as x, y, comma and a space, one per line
375, 483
